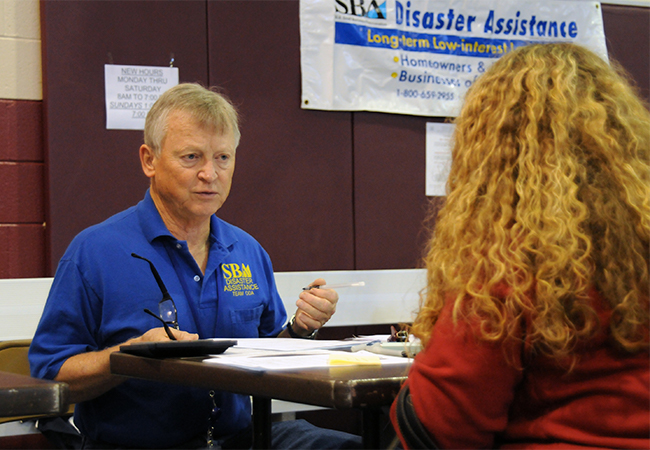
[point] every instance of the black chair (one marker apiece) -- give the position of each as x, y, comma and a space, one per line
413, 432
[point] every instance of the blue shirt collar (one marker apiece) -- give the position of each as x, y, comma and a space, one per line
153, 226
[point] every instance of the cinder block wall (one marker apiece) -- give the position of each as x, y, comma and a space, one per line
22, 209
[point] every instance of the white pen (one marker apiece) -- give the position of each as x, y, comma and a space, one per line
375, 347
335, 286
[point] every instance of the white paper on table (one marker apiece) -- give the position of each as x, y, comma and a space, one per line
289, 345
302, 360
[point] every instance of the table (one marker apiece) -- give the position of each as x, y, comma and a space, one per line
341, 387
22, 395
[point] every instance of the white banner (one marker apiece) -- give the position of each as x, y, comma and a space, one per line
420, 56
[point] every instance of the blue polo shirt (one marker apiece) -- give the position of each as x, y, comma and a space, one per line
97, 301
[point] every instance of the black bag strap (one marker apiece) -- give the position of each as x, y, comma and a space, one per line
413, 432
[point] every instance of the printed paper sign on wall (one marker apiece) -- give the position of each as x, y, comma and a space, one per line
420, 56
132, 90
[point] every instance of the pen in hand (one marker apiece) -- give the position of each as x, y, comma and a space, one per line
335, 286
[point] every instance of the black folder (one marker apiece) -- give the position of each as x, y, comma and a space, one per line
178, 349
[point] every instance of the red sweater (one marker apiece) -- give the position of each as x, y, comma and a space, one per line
468, 396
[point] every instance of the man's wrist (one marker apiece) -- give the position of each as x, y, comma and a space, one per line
293, 333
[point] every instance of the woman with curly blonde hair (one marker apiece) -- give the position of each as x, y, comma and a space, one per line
536, 314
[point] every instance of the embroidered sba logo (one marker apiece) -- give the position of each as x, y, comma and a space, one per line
239, 279
233, 271
362, 8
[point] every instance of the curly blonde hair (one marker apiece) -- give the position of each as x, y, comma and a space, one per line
549, 195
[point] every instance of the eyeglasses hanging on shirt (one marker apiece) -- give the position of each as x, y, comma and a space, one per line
166, 306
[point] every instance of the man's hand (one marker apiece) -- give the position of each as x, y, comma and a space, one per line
315, 308
159, 334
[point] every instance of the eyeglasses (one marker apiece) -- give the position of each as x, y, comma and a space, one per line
166, 306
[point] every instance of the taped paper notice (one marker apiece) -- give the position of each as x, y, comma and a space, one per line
132, 90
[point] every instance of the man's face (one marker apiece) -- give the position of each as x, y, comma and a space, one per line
191, 176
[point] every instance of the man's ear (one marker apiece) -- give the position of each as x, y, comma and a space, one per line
147, 158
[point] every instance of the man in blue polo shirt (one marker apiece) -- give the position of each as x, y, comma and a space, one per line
219, 277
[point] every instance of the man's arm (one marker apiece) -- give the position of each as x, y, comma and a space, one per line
89, 374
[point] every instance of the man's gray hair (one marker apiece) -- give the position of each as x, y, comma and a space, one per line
208, 107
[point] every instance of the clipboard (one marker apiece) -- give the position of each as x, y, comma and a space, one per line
179, 349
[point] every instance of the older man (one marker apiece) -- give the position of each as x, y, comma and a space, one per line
100, 290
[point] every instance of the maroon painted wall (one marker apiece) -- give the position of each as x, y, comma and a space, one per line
627, 32
320, 190
92, 172
293, 183
22, 210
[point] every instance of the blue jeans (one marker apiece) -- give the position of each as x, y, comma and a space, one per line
297, 434
292, 434
300, 434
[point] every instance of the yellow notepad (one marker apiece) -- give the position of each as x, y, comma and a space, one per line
341, 359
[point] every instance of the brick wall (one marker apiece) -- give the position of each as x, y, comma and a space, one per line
22, 209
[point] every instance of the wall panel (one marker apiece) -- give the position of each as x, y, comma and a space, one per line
627, 30
320, 190
390, 204
293, 183
21, 130
22, 208
21, 185
93, 172
22, 253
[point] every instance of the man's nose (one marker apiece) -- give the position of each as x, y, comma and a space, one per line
209, 171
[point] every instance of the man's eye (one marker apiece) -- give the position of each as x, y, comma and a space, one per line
190, 157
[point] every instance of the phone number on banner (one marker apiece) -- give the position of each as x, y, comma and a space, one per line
426, 95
